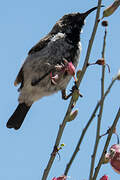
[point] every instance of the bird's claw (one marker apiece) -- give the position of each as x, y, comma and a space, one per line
75, 87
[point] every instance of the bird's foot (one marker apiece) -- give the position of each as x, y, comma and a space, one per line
74, 88
64, 95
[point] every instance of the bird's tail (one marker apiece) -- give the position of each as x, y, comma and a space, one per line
18, 116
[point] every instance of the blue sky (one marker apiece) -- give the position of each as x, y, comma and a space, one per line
24, 153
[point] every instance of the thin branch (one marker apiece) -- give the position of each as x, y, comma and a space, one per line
104, 44
62, 126
90, 43
100, 113
87, 126
59, 135
106, 144
80, 140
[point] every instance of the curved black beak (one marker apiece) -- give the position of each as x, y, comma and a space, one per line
84, 15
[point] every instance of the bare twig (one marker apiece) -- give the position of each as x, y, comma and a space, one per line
62, 126
90, 43
80, 140
87, 126
106, 144
59, 135
100, 112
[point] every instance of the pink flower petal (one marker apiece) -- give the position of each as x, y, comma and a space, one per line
63, 177
71, 69
105, 177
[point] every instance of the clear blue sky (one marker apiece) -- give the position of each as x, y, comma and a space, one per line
24, 153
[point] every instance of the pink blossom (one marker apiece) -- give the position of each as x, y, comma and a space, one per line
60, 70
115, 157
63, 177
105, 177
71, 69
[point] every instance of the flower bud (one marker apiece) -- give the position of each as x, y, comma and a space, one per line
110, 10
105, 23
73, 115
100, 61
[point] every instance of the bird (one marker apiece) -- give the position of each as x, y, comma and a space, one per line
46, 69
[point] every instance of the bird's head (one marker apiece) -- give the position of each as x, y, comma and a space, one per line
71, 24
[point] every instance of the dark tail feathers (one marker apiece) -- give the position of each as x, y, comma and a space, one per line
18, 116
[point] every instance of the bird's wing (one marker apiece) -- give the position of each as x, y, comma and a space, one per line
44, 66
40, 45
46, 59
